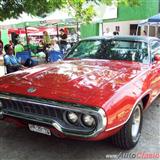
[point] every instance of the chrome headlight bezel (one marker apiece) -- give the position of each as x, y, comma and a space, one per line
100, 121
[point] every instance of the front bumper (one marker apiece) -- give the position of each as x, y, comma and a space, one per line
51, 113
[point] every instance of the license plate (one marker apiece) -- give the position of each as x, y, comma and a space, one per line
39, 129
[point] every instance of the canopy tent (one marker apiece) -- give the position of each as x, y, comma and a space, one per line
52, 22
58, 14
58, 19
22, 30
25, 20
155, 18
19, 25
151, 21
21, 22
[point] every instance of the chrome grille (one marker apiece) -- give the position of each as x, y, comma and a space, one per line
31, 108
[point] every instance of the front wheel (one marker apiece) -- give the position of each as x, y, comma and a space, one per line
129, 135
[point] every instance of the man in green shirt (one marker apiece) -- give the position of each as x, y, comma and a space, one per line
18, 47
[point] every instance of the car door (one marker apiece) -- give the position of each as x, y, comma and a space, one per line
155, 69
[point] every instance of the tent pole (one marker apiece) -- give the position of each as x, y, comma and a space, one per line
156, 30
77, 32
57, 32
27, 38
137, 30
148, 30
102, 27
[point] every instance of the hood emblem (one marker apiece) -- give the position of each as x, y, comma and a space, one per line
31, 90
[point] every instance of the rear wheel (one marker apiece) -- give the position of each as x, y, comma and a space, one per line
129, 135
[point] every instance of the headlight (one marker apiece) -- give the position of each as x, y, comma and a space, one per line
72, 117
88, 120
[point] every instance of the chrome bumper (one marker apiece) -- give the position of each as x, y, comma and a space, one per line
59, 125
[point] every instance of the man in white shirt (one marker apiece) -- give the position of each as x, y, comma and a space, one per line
108, 33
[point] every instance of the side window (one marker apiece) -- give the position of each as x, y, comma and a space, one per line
155, 48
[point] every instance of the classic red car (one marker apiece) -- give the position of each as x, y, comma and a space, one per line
99, 90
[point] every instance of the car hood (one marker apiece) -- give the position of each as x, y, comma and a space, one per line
79, 81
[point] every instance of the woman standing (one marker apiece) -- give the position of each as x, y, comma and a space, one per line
46, 39
63, 40
1, 47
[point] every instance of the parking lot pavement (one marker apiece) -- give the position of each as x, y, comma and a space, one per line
21, 144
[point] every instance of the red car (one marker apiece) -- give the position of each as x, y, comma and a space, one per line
99, 90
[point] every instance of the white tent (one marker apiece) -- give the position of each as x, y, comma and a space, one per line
151, 21
23, 18
58, 14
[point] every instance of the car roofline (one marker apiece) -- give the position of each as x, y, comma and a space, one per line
127, 38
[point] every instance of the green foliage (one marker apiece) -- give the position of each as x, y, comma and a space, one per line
83, 9
117, 2
13, 8
83, 12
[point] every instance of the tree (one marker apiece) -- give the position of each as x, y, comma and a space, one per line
83, 9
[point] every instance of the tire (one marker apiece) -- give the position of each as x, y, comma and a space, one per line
129, 135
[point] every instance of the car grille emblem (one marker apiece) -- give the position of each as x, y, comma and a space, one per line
31, 90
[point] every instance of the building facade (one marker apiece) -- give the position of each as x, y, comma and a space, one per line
128, 17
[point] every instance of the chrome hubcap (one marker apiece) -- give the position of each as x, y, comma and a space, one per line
136, 121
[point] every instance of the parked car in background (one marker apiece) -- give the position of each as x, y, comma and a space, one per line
99, 90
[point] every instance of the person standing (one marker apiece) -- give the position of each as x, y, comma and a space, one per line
1, 47
46, 39
144, 33
63, 40
18, 47
107, 33
46, 43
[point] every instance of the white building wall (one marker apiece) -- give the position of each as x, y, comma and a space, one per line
123, 25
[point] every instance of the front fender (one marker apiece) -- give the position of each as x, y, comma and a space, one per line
120, 107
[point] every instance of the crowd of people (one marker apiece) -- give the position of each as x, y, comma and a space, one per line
45, 45
51, 44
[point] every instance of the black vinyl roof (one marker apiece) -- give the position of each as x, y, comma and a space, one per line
125, 38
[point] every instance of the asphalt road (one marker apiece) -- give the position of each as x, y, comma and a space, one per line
21, 144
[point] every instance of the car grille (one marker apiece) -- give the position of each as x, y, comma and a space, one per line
32, 109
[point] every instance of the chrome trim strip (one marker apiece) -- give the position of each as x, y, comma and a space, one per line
145, 93
1, 115
97, 112
48, 103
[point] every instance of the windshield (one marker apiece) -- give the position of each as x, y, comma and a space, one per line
111, 50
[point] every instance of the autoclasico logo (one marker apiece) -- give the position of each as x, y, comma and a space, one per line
137, 155
31, 90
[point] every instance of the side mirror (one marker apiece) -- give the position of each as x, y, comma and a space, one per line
157, 57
